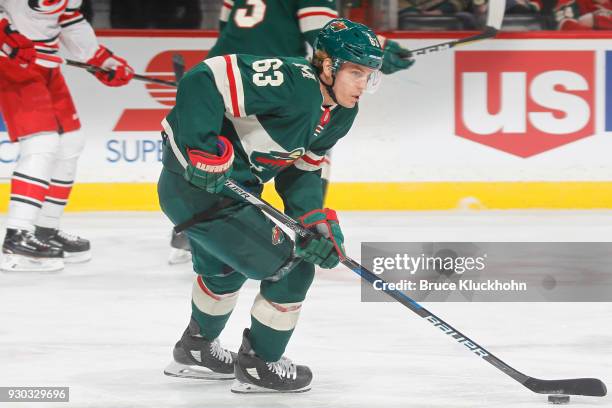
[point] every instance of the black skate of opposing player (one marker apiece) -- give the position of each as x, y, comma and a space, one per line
22, 251
180, 249
254, 375
76, 249
196, 357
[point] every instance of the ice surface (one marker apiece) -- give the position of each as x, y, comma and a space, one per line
106, 328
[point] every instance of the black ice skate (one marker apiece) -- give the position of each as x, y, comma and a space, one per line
254, 375
180, 251
195, 357
22, 251
76, 249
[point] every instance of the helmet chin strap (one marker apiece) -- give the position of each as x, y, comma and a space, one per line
330, 88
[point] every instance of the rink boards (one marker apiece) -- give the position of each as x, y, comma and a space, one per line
522, 121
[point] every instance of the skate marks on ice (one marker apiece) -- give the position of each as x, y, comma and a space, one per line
106, 328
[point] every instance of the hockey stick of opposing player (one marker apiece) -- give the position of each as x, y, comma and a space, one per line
178, 66
495, 17
93, 68
575, 386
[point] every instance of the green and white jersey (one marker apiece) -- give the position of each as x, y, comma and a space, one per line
271, 27
271, 110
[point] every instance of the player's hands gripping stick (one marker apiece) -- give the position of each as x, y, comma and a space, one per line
326, 247
117, 72
392, 56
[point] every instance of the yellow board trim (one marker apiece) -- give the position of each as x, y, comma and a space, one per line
375, 196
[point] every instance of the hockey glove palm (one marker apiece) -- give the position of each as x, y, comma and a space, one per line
326, 247
15, 45
208, 171
392, 56
117, 72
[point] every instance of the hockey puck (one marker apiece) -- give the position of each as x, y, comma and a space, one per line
558, 399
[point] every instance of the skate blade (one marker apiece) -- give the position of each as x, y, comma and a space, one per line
246, 388
196, 372
20, 263
77, 257
179, 256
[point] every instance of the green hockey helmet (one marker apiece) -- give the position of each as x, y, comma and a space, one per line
346, 41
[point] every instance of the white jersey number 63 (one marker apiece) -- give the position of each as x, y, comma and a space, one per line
262, 67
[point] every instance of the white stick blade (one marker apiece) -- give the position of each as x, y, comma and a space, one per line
495, 16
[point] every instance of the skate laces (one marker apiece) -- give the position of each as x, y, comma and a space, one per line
30, 236
219, 352
67, 236
283, 368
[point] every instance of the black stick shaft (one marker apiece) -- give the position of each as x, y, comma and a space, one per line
178, 66
489, 32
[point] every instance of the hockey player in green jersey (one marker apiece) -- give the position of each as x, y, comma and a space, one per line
283, 27
272, 28
257, 119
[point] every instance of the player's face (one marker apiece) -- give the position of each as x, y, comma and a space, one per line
351, 83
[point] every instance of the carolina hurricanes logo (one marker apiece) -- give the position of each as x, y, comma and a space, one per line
48, 6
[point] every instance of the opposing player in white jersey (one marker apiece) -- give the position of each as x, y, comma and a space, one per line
40, 115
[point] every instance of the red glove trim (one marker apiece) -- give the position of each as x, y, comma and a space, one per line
330, 215
101, 55
211, 163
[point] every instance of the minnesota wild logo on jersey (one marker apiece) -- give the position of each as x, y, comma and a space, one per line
277, 235
267, 164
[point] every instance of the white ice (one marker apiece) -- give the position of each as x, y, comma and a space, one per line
106, 328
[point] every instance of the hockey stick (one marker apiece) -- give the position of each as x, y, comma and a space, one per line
495, 17
178, 66
575, 386
92, 68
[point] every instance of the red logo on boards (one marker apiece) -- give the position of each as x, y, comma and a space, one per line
524, 102
160, 66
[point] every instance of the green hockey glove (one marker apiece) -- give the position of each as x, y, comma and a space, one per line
392, 60
326, 247
207, 171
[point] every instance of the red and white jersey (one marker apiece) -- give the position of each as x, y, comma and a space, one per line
49, 22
